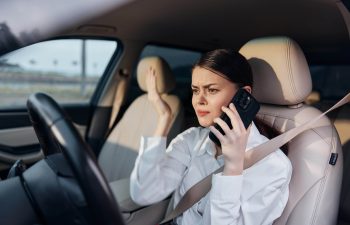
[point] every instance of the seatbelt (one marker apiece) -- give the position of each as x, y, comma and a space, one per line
118, 98
200, 189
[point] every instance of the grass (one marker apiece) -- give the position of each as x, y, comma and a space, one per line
16, 95
17, 85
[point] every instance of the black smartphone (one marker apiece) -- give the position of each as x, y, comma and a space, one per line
247, 107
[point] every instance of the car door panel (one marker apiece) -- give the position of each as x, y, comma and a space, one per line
18, 139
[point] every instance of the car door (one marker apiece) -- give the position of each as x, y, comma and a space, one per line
69, 70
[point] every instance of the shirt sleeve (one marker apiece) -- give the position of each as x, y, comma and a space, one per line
230, 204
158, 171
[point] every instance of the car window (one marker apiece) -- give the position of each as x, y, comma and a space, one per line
66, 69
180, 61
332, 82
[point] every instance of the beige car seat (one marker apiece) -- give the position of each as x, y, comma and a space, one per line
282, 82
342, 123
119, 152
341, 120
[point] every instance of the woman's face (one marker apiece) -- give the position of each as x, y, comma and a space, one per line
210, 93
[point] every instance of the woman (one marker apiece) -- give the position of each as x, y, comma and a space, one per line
256, 195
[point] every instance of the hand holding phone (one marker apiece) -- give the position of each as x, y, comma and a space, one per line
247, 107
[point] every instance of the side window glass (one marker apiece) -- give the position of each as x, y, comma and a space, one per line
180, 61
329, 84
67, 69
332, 82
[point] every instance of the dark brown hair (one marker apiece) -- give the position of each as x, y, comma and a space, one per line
228, 63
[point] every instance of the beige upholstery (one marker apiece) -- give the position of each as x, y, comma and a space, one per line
313, 98
281, 77
165, 83
291, 82
341, 120
118, 154
342, 124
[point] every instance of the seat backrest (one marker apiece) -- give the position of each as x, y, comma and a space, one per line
282, 82
119, 152
341, 121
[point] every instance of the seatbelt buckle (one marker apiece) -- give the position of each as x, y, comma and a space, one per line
333, 159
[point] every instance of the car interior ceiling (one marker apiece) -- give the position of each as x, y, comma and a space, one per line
209, 32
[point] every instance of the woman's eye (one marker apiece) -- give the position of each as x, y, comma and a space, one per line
212, 91
195, 91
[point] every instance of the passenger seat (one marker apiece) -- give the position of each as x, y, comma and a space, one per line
282, 82
342, 123
341, 120
118, 154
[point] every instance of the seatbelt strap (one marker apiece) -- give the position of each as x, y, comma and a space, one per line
200, 189
118, 98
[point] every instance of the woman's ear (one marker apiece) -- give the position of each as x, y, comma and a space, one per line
248, 88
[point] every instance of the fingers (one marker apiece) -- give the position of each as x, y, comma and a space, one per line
222, 124
151, 78
151, 84
217, 133
240, 122
151, 71
236, 121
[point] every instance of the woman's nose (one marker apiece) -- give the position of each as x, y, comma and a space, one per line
201, 99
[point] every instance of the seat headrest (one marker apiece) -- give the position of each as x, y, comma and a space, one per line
280, 71
165, 78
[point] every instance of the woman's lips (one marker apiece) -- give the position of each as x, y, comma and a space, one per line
202, 113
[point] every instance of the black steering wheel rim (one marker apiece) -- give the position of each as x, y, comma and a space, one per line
50, 116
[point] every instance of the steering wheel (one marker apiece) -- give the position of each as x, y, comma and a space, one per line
48, 116
48, 143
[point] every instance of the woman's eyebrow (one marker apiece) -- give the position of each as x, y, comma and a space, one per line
204, 86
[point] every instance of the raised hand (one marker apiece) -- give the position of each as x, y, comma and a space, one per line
162, 108
234, 142
153, 94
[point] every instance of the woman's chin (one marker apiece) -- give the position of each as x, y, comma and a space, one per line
204, 123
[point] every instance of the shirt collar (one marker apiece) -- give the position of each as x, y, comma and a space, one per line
209, 147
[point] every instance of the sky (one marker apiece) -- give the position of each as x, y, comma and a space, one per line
64, 56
